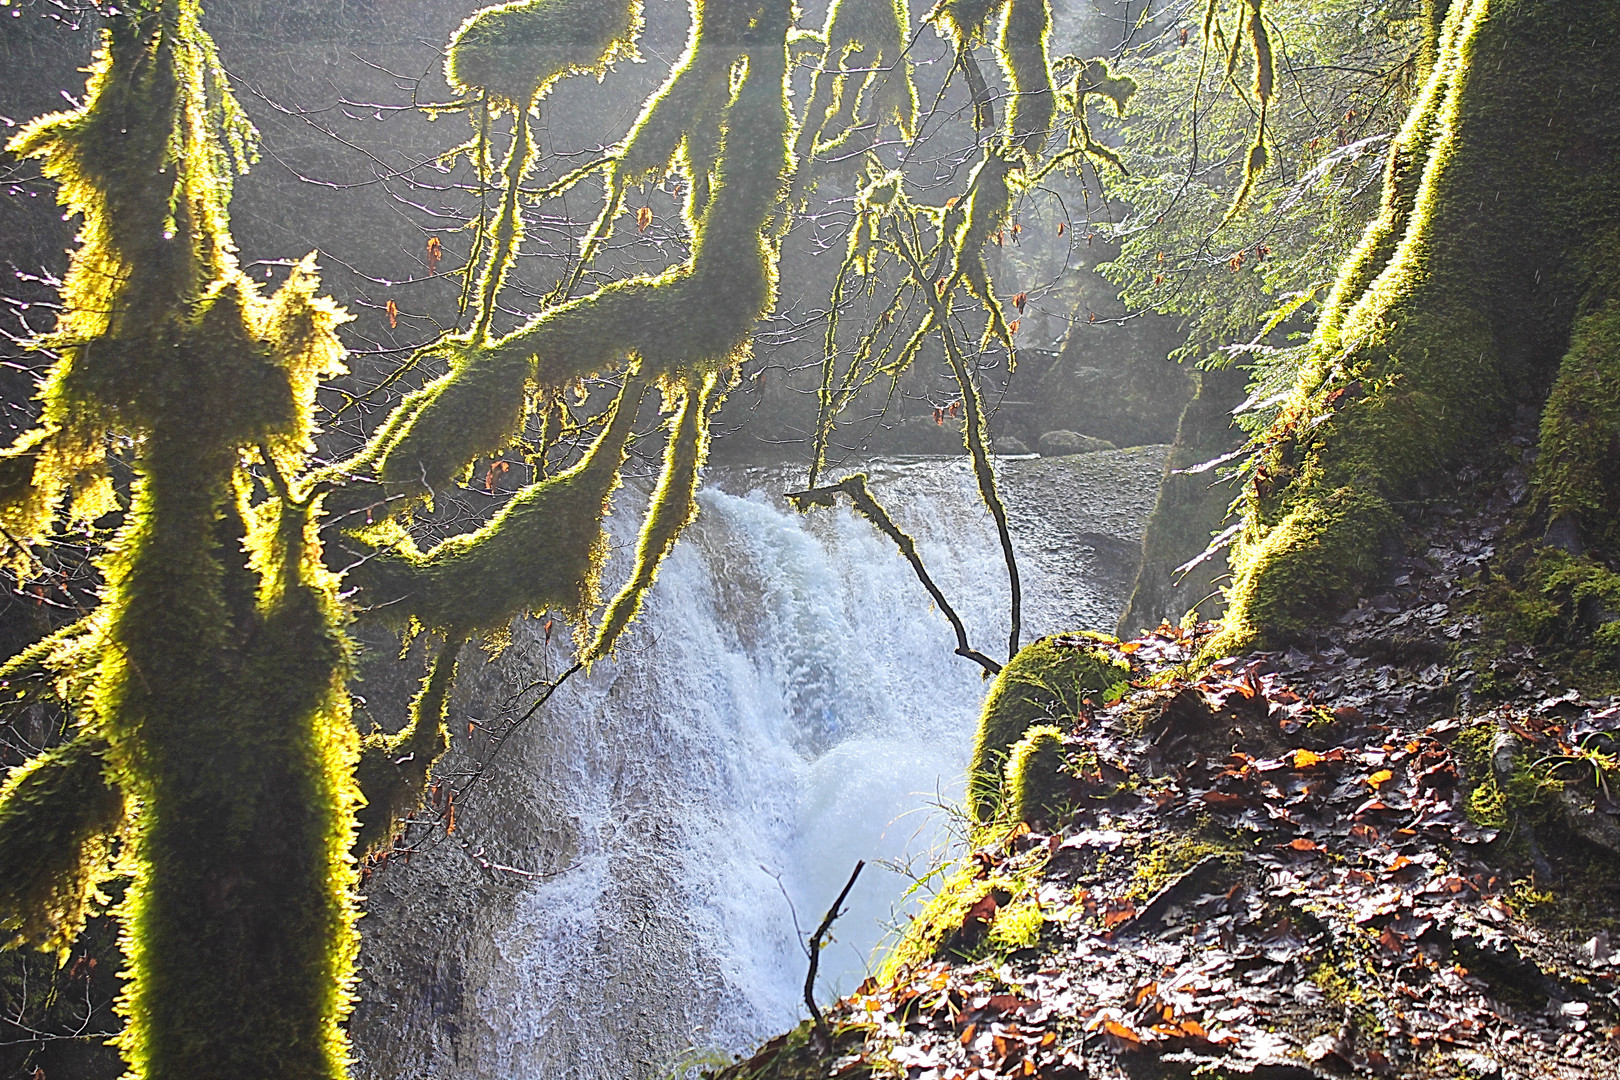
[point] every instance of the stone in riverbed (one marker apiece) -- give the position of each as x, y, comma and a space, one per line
1058, 443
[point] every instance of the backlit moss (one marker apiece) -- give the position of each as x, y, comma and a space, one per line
58, 817
514, 52
1021, 49
394, 769
674, 505
543, 550
864, 77
213, 670
1439, 325
1577, 474
1036, 785
1047, 681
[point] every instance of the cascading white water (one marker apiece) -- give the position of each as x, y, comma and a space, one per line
787, 704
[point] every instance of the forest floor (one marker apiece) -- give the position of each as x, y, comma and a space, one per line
1334, 859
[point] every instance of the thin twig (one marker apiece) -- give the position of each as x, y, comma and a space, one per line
869, 508
815, 954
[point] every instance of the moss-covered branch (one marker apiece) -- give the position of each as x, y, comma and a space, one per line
544, 550
394, 769
864, 78
673, 508
59, 815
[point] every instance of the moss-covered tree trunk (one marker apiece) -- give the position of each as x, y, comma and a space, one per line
1496, 244
230, 729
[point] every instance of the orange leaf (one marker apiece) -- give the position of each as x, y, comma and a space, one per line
1028, 1067
393, 315
1020, 300
1304, 759
1012, 327
1115, 916
643, 219
1380, 778
1302, 844
998, 237
967, 1033
1063, 227
435, 252
1120, 1031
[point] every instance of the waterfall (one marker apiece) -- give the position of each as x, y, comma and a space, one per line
622, 889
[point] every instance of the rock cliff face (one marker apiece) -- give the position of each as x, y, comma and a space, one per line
617, 891
1191, 511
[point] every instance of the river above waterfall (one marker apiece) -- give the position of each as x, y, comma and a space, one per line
630, 883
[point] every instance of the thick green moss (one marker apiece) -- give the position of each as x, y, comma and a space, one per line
215, 667
58, 817
939, 918
1021, 49
1048, 680
1017, 926
1014, 922
1037, 787
693, 319
222, 698
514, 52
543, 550
1314, 557
1566, 606
1440, 323
864, 77
1577, 474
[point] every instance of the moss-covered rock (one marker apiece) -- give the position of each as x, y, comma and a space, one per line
1577, 475
1048, 680
1036, 785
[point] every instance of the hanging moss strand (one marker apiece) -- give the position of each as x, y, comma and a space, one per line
508, 229
394, 769
1021, 50
673, 508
